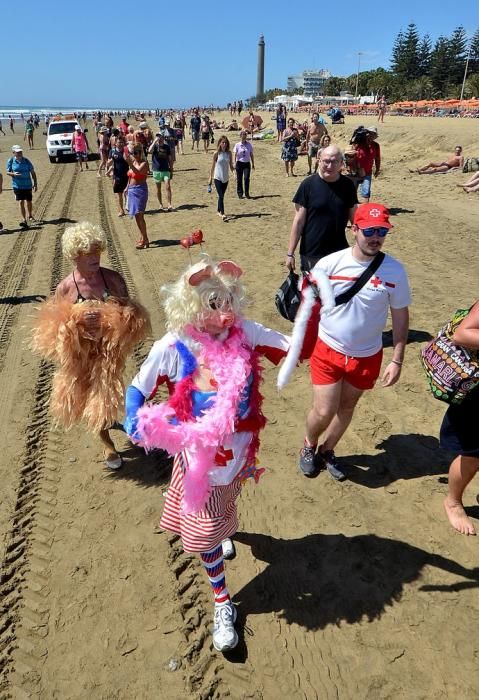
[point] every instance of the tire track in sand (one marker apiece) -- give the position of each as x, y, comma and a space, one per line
23, 608
18, 265
192, 593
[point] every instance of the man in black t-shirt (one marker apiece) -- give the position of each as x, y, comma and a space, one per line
324, 202
162, 167
119, 167
195, 126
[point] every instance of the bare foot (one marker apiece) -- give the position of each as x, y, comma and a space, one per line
458, 518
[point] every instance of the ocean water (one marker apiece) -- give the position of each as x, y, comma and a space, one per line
15, 111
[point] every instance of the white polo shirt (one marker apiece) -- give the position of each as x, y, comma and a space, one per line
356, 328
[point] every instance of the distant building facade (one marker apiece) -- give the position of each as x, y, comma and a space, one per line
312, 82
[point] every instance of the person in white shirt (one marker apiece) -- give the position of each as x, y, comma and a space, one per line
348, 353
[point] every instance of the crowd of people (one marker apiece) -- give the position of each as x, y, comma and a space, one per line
210, 357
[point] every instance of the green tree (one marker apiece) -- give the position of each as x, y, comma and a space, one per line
405, 54
397, 56
424, 55
334, 85
457, 55
421, 88
471, 88
474, 53
439, 70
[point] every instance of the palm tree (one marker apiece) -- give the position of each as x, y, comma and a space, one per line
421, 88
471, 87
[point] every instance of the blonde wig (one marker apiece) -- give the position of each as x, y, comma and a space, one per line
81, 238
203, 287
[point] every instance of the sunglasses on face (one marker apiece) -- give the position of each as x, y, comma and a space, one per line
380, 231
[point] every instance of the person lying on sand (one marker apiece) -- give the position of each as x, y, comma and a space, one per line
233, 126
454, 161
472, 185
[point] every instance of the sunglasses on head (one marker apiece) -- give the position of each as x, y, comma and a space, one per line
380, 231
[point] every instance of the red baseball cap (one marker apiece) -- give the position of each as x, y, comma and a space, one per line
372, 215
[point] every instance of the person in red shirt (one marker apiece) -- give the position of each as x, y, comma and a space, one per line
368, 155
123, 126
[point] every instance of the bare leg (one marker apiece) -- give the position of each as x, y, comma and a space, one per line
30, 211
168, 193
326, 400
141, 223
461, 472
340, 422
109, 450
22, 209
158, 194
121, 209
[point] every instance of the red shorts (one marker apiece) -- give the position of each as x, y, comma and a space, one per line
328, 366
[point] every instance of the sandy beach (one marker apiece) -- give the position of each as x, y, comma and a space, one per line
356, 590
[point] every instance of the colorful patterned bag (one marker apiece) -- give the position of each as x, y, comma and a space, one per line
451, 370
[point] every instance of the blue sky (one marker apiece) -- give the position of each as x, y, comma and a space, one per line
156, 54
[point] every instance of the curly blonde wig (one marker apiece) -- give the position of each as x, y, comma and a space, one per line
81, 237
185, 303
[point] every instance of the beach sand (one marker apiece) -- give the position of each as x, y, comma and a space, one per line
355, 590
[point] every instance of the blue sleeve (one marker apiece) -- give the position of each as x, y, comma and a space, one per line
134, 400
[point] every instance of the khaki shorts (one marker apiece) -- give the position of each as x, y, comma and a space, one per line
313, 149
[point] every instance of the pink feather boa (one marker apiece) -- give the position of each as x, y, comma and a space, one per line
230, 363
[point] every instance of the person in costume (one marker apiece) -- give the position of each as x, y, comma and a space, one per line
210, 361
88, 328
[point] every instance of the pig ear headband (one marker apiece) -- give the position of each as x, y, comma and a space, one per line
202, 271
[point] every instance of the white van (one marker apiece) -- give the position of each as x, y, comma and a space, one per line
59, 138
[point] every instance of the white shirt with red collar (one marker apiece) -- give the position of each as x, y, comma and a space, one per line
356, 328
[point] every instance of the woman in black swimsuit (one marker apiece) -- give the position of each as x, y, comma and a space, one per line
88, 328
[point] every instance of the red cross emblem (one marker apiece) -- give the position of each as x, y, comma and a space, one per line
222, 456
375, 213
376, 281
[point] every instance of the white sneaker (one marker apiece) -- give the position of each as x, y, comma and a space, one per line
224, 633
229, 550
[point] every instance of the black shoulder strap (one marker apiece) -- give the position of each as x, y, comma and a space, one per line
361, 281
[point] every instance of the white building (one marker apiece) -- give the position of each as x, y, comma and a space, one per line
312, 82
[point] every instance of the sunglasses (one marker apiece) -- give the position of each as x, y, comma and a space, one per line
380, 231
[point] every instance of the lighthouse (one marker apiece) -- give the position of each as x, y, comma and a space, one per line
260, 73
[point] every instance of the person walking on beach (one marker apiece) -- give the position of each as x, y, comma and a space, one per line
80, 146
29, 131
459, 433
138, 191
368, 154
347, 357
162, 167
24, 180
118, 166
316, 131
103, 149
323, 203
12, 129
289, 151
195, 126
1, 128
221, 167
206, 132
210, 360
280, 121
243, 163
